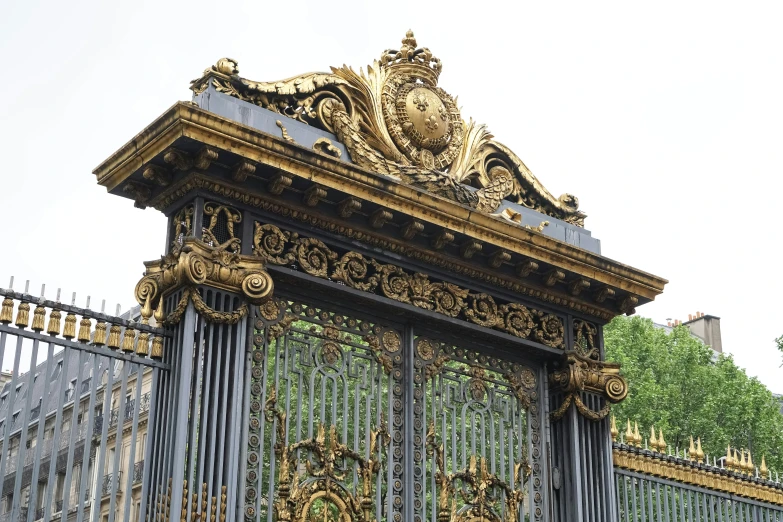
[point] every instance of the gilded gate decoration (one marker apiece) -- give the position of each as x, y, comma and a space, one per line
279, 247
314, 368
394, 119
479, 459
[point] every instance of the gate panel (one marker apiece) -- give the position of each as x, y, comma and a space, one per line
324, 416
482, 443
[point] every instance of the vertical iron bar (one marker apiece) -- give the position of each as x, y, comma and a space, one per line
152, 428
118, 442
41, 423
134, 434
56, 438
25, 428
236, 415
9, 421
90, 427
195, 401
206, 409
82, 362
408, 420
184, 373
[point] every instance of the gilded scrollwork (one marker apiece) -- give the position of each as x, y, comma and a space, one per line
192, 263
585, 342
395, 120
354, 270
221, 223
578, 374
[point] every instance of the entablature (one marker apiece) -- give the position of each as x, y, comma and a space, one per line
189, 149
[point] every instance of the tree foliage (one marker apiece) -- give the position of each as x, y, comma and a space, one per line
681, 386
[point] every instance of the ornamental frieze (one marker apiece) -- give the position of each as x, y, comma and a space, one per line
394, 119
354, 270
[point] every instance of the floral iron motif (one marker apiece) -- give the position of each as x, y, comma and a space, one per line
476, 488
321, 494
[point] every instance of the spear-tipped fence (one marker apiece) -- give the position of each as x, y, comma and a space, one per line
70, 367
656, 482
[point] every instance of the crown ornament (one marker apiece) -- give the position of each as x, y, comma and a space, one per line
413, 60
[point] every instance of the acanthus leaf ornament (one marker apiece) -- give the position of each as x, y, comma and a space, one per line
395, 120
192, 263
578, 374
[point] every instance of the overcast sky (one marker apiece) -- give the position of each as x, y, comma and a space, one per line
664, 118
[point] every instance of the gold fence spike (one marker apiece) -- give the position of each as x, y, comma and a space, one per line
613, 429
69, 330
699, 451
7, 311
637, 438
99, 339
737, 463
23, 315
629, 434
85, 327
54, 323
751, 467
729, 459
143, 346
661, 443
653, 440
114, 337
743, 463
692, 450
39, 318
763, 469
128, 339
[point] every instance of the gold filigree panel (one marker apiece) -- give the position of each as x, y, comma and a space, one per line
354, 270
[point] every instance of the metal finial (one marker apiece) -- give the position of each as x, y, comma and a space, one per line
58, 295
88, 303
43, 290
27, 286
73, 299
11, 284
103, 306
118, 310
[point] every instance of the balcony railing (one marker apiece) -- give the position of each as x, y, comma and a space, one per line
47, 447
138, 472
108, 483
127, 414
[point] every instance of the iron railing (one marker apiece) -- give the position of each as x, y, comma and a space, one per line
653, 486
55, 463
111, 481
138, 472
127, 414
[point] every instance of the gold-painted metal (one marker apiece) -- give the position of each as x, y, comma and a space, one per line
395, 120
7, 311
348, 206
157, 175
662, 446
699, 451
99, 338
325, 146
735, 482
69, 330
539, 228
653, 441
22, 315
278, 247
143, 344
85, 329
157, 348
637, 438
314, 195
128, 340
613, 430
243, 169
297, 495
114, 337
39, 318
231, 216
629, 434
578, 374
279, 183
284, 132
475, 488
193, 263
763, 470
54, 323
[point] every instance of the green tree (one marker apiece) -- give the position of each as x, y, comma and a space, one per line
680, 385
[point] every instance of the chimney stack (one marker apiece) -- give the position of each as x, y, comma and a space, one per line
706, 328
